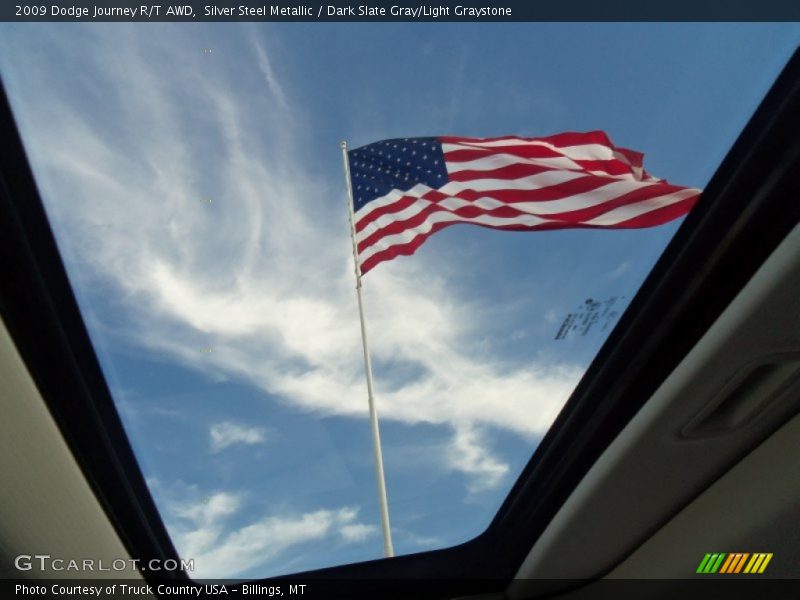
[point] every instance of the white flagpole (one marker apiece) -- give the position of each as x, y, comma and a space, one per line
373, 415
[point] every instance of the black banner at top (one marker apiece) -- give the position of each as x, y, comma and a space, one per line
399, 10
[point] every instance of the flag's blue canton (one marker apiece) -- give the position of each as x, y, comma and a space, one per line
377, 169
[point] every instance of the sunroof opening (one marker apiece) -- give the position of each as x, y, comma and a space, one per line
193, 179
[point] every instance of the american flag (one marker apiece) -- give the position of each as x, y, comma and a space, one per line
406, 189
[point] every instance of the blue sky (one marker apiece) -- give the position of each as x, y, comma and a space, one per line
198, 201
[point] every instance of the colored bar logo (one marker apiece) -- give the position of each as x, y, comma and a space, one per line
734, 563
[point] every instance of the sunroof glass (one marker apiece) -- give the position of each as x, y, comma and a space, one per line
193, 178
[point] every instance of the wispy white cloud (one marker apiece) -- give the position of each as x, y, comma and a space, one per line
263, 270
358, 532
469, 455
418, 541
260, 542
620, 270
202, 531
209, 510
228, 434
265, 66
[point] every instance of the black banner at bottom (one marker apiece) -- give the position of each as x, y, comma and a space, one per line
702, 588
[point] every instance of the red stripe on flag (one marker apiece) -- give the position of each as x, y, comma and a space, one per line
610, 166
566, 139
515, 171
409, 248
508, 211
510, 196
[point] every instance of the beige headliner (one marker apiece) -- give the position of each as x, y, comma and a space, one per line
650, 470
46, 505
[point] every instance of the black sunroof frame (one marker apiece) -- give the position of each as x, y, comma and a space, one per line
749, 206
